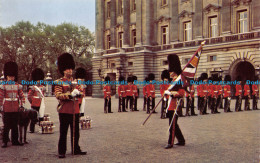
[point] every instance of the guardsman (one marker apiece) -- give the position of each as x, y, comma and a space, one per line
150, 93
177, 92
255, 93
36, 94
204, 93
199, 94
192, 92
80, 76
164, 87
11, 100
219, 95
107, 96
238, 95
145, 93
135, 93
121, 94
129, 93
67, 91
227, 94
247, 97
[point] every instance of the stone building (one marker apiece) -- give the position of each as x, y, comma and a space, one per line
134, 37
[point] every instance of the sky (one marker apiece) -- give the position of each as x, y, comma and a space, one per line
52, 12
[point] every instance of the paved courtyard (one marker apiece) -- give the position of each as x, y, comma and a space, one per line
120, 137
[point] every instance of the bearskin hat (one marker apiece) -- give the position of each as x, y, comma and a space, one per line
11, 69
204, 76
80, 73
174, 64
227, 78
65, 61
121, 78
214, 77
239, 78
37, 74
256, 78
151, 76
107, 78
129, 79
165, 74
134, 78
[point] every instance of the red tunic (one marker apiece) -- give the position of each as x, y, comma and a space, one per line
255, 90
246, 90
163, 88
62, 92
173, 103
107, 91
227, 92
11, 97
35, 97
129, 90
135, 90
219, 88
150, 90
238, 90
145, 91
121, 91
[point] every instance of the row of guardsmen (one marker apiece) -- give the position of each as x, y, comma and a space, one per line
210, 96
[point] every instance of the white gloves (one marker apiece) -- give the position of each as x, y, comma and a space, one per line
75, 92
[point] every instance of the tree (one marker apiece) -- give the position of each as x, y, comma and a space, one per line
39, 45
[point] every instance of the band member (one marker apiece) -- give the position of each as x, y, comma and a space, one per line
80, 76
129, 93
121, 95
35, 94
227, 94
190, 101
177, 92
247, 97
145, 94
67, 91
135, 94
107, 96
255, 93
150, 93
11, 99
164, 87
204, 94
238, 95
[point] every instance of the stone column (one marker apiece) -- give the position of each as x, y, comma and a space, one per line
139, 13
148, 25
255, 14
99, 25
113, 24
197, 22
126, 25
225, 12
174, 23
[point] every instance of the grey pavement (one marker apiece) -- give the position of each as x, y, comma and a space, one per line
120, 137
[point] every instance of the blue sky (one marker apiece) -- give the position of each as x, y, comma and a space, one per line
53, 12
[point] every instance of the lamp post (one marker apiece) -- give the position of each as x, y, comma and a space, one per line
49, 85
257, 69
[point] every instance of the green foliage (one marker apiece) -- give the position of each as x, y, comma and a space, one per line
33, 46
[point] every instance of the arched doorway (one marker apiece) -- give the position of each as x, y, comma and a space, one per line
245, 70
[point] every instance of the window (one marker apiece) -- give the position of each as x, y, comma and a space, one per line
165, 35
130, 64
108, 41
213, 27
120, 39
108, 9
187, 31
164, 62
120, 7
133, 5
133, 37
242, 22
186, 60
112, 65
212, 58
164, 2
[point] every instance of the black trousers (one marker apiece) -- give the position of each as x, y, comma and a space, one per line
247, 104
10, 122
175, 125
163, 108
238, 104
108, 105
131, 99
135, 103
32, 124
190, 105
254, 102
121, 104
149, 102
226, 105
66, 120
145, 101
